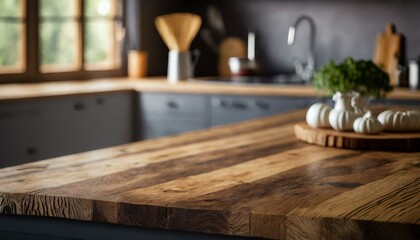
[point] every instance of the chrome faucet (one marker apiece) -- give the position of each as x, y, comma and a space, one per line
305, 72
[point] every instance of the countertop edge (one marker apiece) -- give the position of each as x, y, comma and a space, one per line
12, 92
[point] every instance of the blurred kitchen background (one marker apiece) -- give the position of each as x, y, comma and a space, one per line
343, 28
50, 41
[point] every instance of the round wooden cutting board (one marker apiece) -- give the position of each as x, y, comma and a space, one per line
400, 142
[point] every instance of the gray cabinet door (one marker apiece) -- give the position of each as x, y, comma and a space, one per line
45, 128
20, 132
230, 109
153, 127
163, 114
84, 123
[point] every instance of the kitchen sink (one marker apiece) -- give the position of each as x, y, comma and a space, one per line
282, 79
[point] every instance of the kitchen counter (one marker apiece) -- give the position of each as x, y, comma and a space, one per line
247, 179
37, 90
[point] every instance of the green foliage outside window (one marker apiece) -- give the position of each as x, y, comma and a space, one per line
58, 32
10, 33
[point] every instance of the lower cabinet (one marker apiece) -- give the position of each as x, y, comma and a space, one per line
152, 127
163, 114
32, 130
19, 132
231, 109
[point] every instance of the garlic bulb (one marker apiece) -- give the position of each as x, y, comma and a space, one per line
367, 124
394, 121
413, 120
317, 115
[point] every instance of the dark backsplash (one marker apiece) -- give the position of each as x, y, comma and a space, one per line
344, 28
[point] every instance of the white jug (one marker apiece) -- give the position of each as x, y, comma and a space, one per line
181, 65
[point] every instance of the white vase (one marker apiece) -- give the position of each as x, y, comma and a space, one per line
343, 115
361, 104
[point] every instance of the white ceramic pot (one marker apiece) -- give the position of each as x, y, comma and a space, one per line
361, 104
342, 116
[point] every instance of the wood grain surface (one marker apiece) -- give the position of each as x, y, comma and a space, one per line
21, 91
250, 179
401, 142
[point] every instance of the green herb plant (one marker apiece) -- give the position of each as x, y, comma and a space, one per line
359, 76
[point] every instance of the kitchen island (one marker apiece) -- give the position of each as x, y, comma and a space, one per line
46, 120
252, 179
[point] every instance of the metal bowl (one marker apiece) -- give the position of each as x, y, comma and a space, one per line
242, 66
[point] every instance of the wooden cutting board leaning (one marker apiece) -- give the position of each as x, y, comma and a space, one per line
230, 47
388, 52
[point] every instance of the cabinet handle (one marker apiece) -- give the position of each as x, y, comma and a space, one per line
11, 114
239, 105
222, 103
100, 101
301, 104
263, 105
31, 151
79, 106
217, 102
172, 104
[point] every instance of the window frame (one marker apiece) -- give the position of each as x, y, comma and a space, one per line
32, 72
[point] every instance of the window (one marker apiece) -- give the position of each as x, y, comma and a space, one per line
65, 39
101, 21
12, 36
59, 35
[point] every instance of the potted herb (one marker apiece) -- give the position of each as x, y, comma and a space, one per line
352, 84
361, 76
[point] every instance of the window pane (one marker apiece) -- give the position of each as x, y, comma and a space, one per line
99, 7
58, 45
11, 57
100, 47
11, 8
60, 8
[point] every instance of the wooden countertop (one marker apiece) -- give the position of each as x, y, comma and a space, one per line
247, 179
37, 90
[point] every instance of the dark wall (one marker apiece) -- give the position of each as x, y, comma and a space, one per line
344, 28
142, 34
